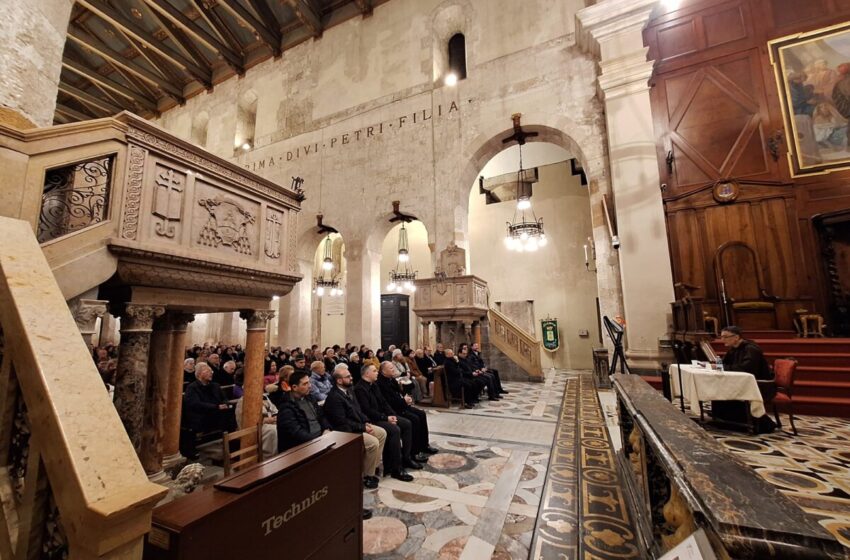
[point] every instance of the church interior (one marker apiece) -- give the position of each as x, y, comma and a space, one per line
425, 279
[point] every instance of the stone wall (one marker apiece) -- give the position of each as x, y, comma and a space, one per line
361, 114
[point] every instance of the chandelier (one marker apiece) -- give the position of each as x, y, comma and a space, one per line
525, 231
329, 285
401, 277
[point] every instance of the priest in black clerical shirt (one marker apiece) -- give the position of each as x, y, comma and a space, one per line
745, 355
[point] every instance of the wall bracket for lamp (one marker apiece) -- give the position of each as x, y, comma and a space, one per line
322, 228
399, 216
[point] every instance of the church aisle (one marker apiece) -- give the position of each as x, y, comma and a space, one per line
478, 498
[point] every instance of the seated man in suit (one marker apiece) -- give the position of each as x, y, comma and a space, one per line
300, 418
205, 409
343, 412
398, 446
470, 370
459, 377
403, 406
477, 362
745, 355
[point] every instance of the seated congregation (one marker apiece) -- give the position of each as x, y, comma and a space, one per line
310, 392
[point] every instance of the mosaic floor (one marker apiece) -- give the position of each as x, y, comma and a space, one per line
478, 497
812, 468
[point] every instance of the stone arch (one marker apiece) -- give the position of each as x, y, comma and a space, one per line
246, 121
586, 143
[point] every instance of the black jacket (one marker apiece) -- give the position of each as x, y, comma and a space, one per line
372, 402
425, 363
467, 369
293, 428
343, 412
391, 391
200, 403
354, 368
440, 357
748, 357
476, 360
454, 375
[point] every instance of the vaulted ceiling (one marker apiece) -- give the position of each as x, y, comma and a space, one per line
147, 56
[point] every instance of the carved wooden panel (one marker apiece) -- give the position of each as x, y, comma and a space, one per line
714, 121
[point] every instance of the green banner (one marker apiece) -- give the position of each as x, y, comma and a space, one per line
551, 340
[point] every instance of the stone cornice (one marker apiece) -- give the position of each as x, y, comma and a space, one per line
608, 17
141, 267
625, 75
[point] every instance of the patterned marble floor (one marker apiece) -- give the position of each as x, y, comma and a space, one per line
812, 468
478, 497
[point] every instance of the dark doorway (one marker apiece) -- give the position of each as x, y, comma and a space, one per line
395, 319
835, 241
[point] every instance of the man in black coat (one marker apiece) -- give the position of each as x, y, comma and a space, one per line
403, 406
205, 409
477, 362
440, 354
300, 418
745, 355
470, 371
459, 377
343, 413
398, 428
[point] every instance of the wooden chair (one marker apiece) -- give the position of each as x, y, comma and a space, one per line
784, 370
249, 451
740, 278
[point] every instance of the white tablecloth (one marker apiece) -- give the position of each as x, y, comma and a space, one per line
702, 385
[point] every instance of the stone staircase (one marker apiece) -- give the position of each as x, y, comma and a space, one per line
510, 349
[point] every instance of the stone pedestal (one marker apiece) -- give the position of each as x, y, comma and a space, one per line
252, 401
86, 313
159, 366
174, 407
133, 355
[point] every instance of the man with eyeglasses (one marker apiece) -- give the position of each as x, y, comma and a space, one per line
343, 412
744, 355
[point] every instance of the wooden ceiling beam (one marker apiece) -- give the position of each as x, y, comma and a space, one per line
365, 6
126, 25
266, 14
73, 113
164, 8
308, 15
89, 99
270, 37
118, 59
215, 21
109, 84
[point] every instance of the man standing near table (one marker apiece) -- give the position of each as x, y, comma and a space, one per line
745, 355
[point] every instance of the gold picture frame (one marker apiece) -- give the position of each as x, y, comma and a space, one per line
812, 73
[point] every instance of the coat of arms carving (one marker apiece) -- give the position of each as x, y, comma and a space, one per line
227, 225
273, 228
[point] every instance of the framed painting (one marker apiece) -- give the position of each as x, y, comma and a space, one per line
813, 76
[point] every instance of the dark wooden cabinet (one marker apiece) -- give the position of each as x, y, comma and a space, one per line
395, 319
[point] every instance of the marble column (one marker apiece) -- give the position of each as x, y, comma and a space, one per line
426, 333
363, 294
86, 312
293, 327
174, 407
131, 378
467, 331
612, 30
476, 333
252, 401
438, 325
156, 400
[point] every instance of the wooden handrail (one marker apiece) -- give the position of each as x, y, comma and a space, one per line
78, 450
525, 352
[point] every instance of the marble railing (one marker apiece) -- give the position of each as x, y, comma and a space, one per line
70, 481
522, 348
120, 195
680, 479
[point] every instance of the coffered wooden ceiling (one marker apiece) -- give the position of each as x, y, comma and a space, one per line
147, 56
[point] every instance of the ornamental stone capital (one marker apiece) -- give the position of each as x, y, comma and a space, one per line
180, 320
139, 318
257, 318
86, 312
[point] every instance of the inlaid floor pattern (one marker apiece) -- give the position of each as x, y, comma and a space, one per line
477, 498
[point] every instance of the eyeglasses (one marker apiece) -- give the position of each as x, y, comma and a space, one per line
728, 335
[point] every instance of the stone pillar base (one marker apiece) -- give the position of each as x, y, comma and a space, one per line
648, 361
171, 461
160, 477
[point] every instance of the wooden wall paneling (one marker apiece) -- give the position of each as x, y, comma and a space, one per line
687, 246
775, 248
707, 254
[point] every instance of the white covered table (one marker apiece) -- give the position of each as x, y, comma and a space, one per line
701, 385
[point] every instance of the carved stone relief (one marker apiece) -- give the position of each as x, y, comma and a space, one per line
274, 224
461, 294
168, 200
453, 260
133, 201
228, 224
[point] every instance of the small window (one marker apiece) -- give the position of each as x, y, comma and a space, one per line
246, 122
457, 55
